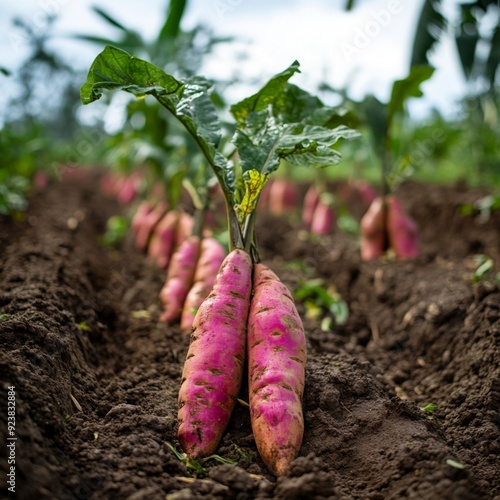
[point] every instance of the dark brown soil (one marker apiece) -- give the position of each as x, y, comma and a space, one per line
96, 375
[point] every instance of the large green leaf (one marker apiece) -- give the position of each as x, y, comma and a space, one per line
116, 69
266, 95
188, 101
300, 144
406, 88
431, 25
293, 104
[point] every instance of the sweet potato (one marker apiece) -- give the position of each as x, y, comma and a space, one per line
324, 219
276, 349
213, 370
402, 230
140, 216
282, 196
162, 242
148, 224
212, 254
180, 278
184, 228
310, 203
373, 230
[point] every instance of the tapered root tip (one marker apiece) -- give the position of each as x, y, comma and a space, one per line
281, 467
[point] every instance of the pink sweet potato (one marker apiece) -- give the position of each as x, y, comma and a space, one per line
213, 370
310, 203
184, 228
366, 192
373, 230
324, 219
140, 215
276, 349
402, 230
282, 196
146, 228
212, 254
180, 278
162, 242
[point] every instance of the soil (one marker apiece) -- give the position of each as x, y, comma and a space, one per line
96, 374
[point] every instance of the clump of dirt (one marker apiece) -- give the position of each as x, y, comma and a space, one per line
97, 375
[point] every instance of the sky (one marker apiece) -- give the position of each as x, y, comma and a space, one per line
364, 50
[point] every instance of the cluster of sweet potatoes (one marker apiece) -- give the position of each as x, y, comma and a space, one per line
249, 319
191, 261
386, 225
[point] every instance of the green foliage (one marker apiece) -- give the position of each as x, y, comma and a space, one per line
276, 123
13, 191
430, 408
484, 266
266, 95
116, 230
430, 26
320, 301
408, 87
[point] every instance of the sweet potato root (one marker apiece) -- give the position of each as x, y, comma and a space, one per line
212, 254
213, 370
402, 230
276, 349
180, 278
373, 230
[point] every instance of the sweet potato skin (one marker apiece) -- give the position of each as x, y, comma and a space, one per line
212, 254
213, 370
179, 279
276, 349
373, 230
311, 200
145, 230
162, 242
282, 196
140, 216
324, 219
402, 230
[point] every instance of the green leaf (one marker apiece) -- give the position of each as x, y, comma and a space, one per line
116, 69
467, 38
171, 27
484, 266
430, 408
5, 71
431, 25
111, 20
266, 95
406, 88
293, 104
265, 142
116, 230
188, 101
254, 183
493, 60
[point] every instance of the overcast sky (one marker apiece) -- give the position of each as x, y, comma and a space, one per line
364, 50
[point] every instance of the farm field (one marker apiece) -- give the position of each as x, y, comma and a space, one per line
250, 250
97, 375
